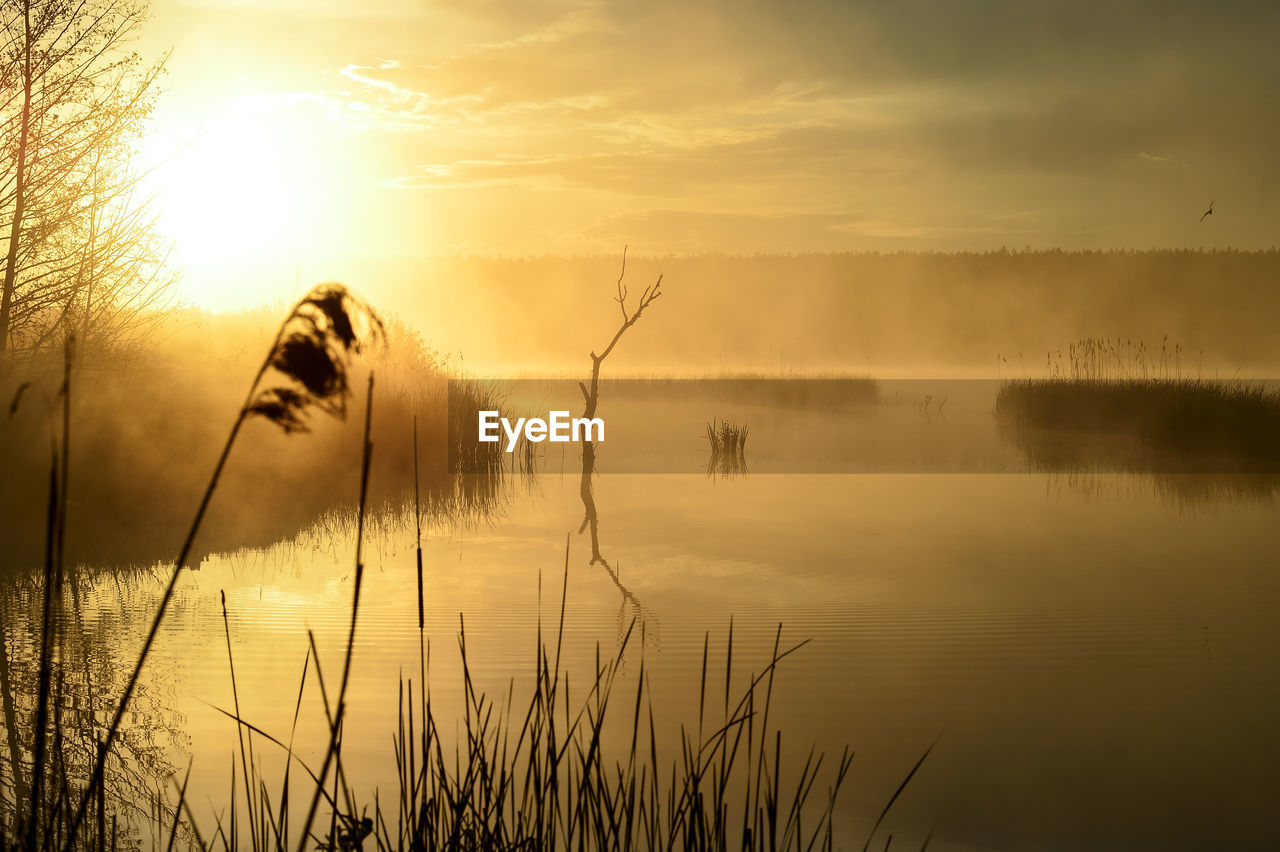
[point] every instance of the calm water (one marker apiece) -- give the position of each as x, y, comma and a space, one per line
1094, 654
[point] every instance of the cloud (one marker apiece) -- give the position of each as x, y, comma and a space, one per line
583, 20
833, 123
1159, 160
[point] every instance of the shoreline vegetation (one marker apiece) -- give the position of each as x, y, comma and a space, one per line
815, 390
1143, 424
727, 443
1117, 404
544, 782
136, 499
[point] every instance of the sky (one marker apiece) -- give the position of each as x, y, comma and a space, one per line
299, 135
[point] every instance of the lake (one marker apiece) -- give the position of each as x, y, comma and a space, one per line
1091, 654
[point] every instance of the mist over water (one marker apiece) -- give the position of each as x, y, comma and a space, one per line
908, 315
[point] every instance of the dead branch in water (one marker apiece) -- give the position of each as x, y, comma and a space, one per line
647, 298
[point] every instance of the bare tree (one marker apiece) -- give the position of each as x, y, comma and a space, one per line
591, 396
81, 252
647, 298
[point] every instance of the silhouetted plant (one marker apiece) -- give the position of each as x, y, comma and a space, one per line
1143, 425
311, 354
728, 442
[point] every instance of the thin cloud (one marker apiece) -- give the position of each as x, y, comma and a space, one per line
1160, 160
818, 124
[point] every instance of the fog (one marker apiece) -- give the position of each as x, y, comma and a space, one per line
889, 315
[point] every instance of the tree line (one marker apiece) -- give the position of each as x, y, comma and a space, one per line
81, 254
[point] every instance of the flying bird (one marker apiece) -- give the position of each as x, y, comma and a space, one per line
1208, 212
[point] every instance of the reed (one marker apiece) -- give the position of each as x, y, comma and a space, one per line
805, 391
540, 771
308, 361
466, 454
1179, 425
727, 441
1119, 358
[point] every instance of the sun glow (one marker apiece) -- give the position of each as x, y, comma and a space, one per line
241, 192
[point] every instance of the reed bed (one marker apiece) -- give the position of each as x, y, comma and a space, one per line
466, 454
798, 391
1189, 425
147, 436
1111, 359
540, 773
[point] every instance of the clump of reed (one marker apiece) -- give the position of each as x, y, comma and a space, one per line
1190, 425
464, 401
542, 777
466, 398
306, 369
1107, 359
728, 444
548, 772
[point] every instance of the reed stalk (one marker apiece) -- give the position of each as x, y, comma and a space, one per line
310, 350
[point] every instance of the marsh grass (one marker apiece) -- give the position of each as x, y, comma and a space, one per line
799, 391
539, 766
545, 770
306, 368
467, 455
1173, 425
727, 441
146, 438
1120, 359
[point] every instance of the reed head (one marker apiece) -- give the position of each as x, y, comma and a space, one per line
310, 361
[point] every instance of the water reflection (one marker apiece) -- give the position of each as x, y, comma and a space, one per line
1185, 491
103, 614
1094, 648
1115, 467
629, 608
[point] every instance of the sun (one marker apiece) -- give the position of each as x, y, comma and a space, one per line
243, 190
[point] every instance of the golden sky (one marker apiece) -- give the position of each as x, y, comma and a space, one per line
326, 132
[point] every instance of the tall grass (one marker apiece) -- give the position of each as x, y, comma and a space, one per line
795, 391
1190, 425
538, 766
544, 771
465, 399
147, 436
728, 444
1108, 359
308, 367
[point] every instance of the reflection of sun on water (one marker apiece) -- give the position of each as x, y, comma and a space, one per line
241, 195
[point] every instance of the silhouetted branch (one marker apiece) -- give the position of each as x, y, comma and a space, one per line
591, 396
647, 298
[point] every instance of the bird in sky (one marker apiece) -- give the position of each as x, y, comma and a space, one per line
1208, 212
